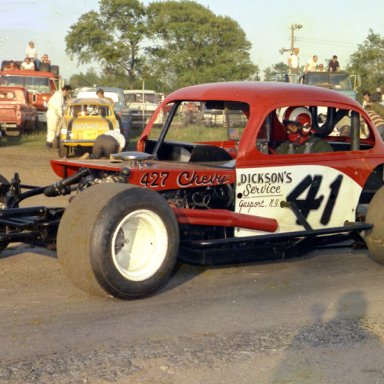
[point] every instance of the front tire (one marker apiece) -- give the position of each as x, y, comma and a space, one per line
119, 240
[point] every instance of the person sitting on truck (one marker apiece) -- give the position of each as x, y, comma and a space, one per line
311, 65
45, 59
27, 64
11, 66
298, 124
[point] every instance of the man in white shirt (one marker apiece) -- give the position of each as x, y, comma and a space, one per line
311, 65
31, 52
293, 63
55, 112
27, 64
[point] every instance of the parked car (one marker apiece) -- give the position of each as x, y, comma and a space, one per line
214, 194
17, 113
142, 103
120, 107
84, 120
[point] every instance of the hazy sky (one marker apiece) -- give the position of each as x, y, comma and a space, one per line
329, 27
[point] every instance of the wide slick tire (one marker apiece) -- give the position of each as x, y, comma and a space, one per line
119, 240
374, 238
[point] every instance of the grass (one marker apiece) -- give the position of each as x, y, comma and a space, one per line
193, 133
31, 141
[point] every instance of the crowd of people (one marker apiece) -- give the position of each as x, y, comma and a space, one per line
31, 60
312, 65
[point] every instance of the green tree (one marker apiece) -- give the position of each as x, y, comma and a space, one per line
276, 73
191, 45
88, 79
110, 38
368, 61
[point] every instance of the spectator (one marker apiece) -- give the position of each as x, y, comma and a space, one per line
27, 64
45, 59
11, 65
376, 119
100, 94
366, 99
293, 63
298, 124
334, 65
311, 65
31, 52
320, 68
55, 112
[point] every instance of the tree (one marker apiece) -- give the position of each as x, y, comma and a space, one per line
111, 38
166, 45
368, 61
191, 45
89, 79
277, 72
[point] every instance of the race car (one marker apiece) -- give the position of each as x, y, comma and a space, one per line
218, 193
84, 119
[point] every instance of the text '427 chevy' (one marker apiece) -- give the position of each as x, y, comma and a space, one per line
212, 185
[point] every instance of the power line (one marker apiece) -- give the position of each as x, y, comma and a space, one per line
326, 42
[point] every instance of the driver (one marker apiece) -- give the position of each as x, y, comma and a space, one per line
298, 124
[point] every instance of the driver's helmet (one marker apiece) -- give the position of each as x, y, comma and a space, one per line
299, 116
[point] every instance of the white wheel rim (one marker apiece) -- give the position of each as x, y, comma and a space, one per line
139, 245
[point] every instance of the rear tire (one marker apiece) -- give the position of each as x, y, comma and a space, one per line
374, 238
119, 240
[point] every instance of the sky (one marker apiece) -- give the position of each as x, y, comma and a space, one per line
329, 27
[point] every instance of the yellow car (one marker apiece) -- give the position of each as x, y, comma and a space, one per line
84, 119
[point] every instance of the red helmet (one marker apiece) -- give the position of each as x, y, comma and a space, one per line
299, 116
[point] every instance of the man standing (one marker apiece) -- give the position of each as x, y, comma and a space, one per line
55, 112
293, 63
31, 52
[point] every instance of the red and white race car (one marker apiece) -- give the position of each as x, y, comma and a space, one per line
238, 170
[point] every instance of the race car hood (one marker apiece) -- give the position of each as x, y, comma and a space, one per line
157, 175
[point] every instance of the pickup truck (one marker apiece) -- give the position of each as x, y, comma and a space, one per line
41, 85
17, 114
340, 81
142, 104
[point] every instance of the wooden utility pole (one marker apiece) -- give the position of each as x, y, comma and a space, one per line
293, 27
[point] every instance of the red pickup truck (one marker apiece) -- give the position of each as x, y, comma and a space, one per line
17, 114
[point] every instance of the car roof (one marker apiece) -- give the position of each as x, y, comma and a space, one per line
262, 93
90, 100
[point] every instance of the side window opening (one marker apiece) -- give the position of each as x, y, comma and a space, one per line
310, 129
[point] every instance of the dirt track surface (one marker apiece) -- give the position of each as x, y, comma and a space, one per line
317, 319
